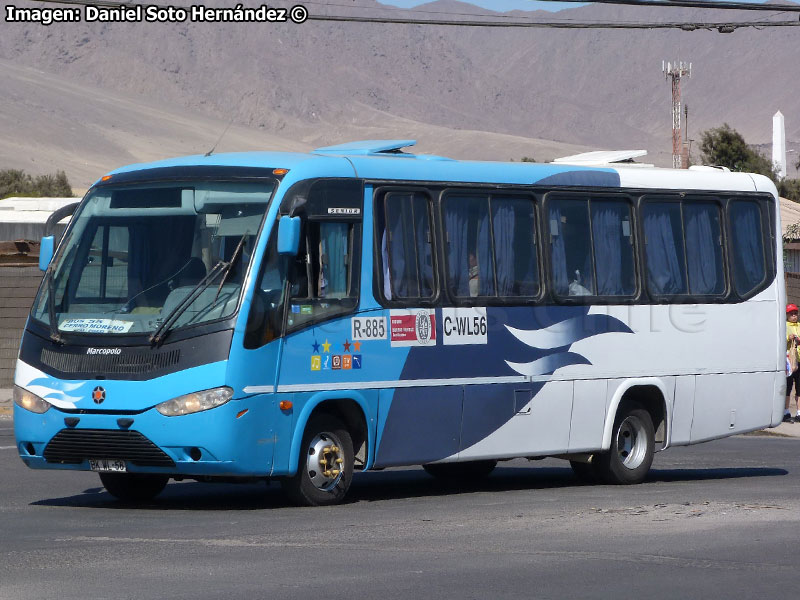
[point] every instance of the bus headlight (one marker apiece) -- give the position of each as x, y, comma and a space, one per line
195, 402
30, 401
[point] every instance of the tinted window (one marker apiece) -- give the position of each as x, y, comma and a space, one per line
514, 229
406, 247
470, 261
105, 272
704, 248
747, 246
571, 247
666, 263
324, 281
613, 247
491, 246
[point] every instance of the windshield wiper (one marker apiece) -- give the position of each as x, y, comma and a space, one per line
229, 266
220, 267
159, 334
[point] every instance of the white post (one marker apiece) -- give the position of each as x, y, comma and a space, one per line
779, 144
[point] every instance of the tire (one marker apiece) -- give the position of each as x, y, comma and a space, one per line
461, 472
133, 487
318, 482
631, 452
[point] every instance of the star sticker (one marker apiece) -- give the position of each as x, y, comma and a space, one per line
346, 345
357, 346
326, 347
315, 345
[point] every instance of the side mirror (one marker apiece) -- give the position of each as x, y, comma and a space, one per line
46, 252
288, 235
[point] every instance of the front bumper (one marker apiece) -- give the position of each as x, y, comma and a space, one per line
234, 439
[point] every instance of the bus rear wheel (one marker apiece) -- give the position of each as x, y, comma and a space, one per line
325, 469
631, 453
466, 472
133, 487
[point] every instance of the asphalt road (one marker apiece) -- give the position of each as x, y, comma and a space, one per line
719, 520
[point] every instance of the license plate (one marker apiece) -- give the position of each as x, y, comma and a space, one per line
107, 465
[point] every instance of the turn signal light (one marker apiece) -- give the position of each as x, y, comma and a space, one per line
105, 178
280, 171
286, 405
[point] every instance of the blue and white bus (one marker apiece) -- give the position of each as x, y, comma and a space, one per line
299, 317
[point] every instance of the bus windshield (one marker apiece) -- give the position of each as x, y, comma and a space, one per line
134, 254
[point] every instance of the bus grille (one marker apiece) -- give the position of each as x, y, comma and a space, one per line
73, 446
131, 364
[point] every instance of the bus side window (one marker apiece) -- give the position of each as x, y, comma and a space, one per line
704, 247
491, 247
666, 261
325, 276
613, 247
470, 255
571, 247
747, 249
406, 247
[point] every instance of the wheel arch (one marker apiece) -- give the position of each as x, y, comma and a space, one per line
352, 409
651, 393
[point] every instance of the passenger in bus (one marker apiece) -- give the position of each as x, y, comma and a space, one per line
474, 279
792, 344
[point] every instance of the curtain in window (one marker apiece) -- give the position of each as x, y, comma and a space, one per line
402, 272
333, 260
558, 253
484, 250
423, 246
747, 245
505, 261
457, 257
664, 258
606, 232
705, 276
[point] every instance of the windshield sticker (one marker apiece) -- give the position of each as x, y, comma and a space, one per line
462, 326
95, 326
412, 328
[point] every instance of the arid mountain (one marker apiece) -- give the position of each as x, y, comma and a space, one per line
90, 96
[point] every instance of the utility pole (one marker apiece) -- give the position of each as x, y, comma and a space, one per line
675, 71
687, 143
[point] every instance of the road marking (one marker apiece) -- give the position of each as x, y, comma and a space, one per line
7, 447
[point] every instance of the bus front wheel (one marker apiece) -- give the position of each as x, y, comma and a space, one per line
325, 469
631, 453
133, 487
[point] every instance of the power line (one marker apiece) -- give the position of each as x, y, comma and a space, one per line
725, 27
722, 27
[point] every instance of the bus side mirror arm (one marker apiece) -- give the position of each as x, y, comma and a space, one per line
49, 240
288, 235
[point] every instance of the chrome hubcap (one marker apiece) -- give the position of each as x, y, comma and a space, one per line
325, 463
631, 442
